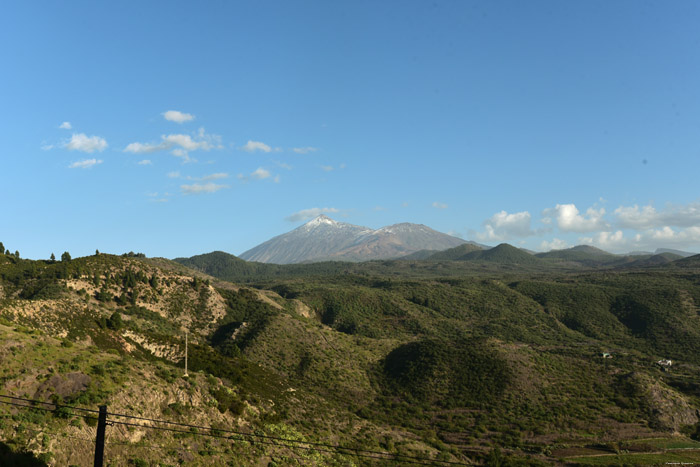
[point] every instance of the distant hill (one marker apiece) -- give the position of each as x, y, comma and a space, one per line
588, 256
583, 254
689, 262
503, 254
419, 255
648, 261
681, 253
324, 239
456, 253
231, 268
222, 264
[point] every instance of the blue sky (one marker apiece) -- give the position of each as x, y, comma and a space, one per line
179, 128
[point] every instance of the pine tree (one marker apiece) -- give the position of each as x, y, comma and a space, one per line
65, 256
53, 257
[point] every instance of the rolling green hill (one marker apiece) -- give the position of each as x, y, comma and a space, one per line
503, 254
454, 254
691, 262
583, 254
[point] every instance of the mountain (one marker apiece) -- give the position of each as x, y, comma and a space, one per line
318, 238
324, 239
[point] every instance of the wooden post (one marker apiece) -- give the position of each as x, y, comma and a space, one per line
186, 354
100, 440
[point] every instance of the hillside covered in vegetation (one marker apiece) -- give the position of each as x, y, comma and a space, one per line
494, 358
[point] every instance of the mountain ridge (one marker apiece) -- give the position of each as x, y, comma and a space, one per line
324, 239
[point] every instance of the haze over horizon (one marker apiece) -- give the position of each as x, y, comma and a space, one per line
178, 128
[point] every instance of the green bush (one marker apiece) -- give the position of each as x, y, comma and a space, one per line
115, 322
447, 373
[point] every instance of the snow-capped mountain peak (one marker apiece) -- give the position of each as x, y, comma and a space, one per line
320, 220
323, 238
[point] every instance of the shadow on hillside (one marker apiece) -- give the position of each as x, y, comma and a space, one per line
18, 459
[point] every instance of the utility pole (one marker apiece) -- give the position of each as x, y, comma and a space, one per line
100, 440
185, 354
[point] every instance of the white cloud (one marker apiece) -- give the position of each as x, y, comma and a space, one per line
179, 144
82, 142
186, 142
184, 155
47, 147
252, 146
610, 241
204, 178
438, 205
330, 168
145, 162
144, 148
502, 226
85, 164
216, 176
65, 126
648, 240
305, 150
379, 208
277, 179
260, 174
570, 220
555, 244
306, 214
153, 198
197, 188
177, 116
647, 217
666, 237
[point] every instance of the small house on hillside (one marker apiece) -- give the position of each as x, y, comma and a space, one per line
664, 363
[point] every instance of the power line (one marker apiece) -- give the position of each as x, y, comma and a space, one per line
63, 435
27, 406
86, 417
336, 450
239, 435
274, 438
34, 401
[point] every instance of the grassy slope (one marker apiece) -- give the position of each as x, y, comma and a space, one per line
327, 347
